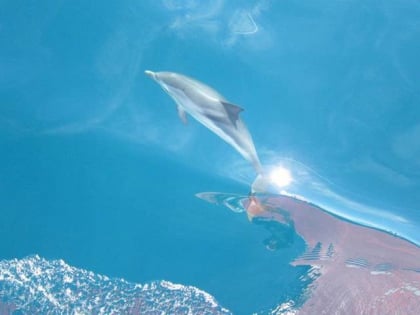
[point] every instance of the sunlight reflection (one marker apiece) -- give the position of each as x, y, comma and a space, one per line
280, 177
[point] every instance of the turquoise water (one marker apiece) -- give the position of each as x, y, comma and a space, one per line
96, 168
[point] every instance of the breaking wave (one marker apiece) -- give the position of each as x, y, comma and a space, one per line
34, 285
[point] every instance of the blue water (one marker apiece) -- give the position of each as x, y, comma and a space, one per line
97, 169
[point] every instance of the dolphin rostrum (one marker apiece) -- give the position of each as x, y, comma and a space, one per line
212, 110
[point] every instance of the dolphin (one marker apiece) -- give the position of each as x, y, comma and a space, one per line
213, 111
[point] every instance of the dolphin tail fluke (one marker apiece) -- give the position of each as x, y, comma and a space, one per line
260, 184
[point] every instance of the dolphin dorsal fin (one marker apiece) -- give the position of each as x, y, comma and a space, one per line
232, 111
182, 114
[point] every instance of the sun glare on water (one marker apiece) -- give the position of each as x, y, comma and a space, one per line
280, 177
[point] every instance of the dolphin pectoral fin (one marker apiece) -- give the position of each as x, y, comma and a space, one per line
232, 111
182, 114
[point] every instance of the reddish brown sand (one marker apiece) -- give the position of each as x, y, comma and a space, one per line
361, 270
